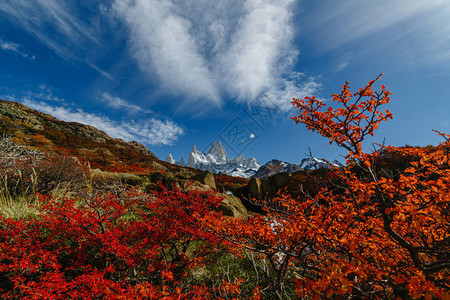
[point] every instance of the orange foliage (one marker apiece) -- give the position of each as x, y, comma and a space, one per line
347, 125
366, 234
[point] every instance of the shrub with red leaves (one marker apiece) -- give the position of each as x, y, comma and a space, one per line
107, 247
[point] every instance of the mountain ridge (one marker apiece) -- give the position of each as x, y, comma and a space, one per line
46, 133
217, 161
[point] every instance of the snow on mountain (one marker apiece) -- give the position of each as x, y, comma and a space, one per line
276, 166
197, 157
218, 152
312, 163
238, 160
181, 162
337, 163
217, 161
170, 159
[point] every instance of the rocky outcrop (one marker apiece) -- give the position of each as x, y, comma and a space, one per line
260, 189
232, 206
87, 131
206, 178
19, 113
279, 180
123, 178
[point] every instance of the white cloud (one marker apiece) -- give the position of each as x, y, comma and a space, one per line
154, 131
199, 50
294, 86
415, 30
118, 103
45, 93
13, 47
206, 49
102, 72
260, 51
8, 46
161, 42
53, 22
343, 62
149, 131
41, 93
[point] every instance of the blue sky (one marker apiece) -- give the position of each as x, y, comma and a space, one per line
172, 74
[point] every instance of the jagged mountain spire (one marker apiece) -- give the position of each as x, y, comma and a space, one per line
217, 161
218, 151
170, 159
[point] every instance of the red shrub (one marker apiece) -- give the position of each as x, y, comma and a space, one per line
106, 247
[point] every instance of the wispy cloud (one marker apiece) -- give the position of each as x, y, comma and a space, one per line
207, 50
161, 42
14, 47
102, 72
293, 86
118, 103
53, 22
343, 61
41, 93
261, 51
204, 52
149, 131
154, 131
9, 46
416, 30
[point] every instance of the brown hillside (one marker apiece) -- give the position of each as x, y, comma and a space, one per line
44, 132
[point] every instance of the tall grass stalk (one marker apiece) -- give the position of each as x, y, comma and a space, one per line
18, 202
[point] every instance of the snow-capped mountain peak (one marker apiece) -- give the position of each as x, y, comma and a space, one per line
196, 157
170, 159
312, 163
217, 161
218, 152
238, 160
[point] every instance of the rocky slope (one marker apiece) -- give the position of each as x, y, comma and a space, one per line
46, 133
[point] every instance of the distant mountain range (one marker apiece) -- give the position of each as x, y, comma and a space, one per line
217, 161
